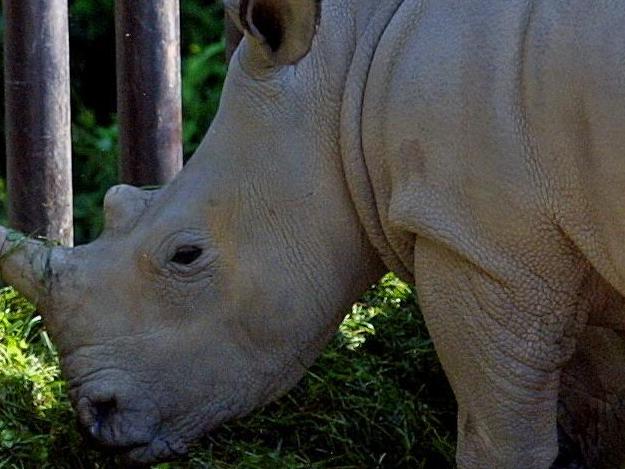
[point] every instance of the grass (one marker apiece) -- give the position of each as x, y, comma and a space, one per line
377, 397
35, 417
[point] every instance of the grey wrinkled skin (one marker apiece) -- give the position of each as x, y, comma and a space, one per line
474, 147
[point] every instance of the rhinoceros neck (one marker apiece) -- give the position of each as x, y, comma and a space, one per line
357, 173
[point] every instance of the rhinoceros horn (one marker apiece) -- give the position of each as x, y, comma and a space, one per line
26, 264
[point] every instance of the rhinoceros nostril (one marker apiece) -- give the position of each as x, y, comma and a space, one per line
96, 416
102, 412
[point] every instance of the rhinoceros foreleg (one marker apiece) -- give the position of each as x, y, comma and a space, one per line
502, 339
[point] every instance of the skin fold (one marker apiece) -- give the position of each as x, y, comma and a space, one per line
473, 147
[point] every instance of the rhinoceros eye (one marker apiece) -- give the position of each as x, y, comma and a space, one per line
186, 255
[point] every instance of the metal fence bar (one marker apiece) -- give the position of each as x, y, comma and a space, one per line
149, 90
38, 128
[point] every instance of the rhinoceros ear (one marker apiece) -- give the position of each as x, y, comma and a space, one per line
282, 29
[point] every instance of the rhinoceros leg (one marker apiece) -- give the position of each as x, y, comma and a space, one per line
502, 341
592, 398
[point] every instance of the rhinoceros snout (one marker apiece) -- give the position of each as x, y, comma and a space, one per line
119, 424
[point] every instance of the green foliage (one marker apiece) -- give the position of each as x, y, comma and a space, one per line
91, 20
95, 170
203, 67
203, 74
377, 397
36, 421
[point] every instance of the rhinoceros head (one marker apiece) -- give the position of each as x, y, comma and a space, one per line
210, 296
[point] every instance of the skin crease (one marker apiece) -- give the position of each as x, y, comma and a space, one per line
490, 176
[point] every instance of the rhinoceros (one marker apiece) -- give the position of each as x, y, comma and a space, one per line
475, 148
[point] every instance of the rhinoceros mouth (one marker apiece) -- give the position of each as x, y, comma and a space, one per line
157, 450
137, 454
110, 448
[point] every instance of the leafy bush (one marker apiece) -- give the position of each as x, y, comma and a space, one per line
95, 147
376, 398
36, 421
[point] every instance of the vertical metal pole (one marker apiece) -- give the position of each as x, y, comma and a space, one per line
233, 37
38, 129
149, 90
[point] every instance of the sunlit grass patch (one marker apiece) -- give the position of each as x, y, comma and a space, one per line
36, 422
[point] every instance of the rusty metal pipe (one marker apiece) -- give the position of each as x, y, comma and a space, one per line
38, 129
149, 90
